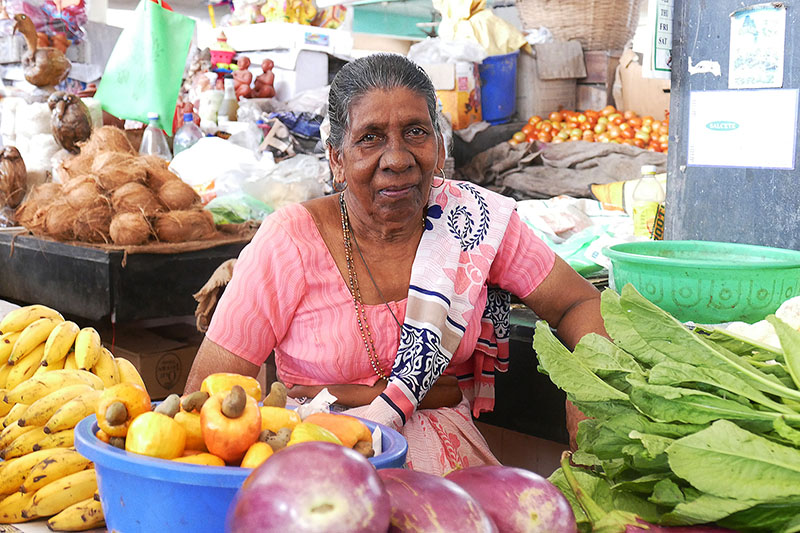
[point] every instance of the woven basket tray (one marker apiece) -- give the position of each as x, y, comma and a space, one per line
597, 24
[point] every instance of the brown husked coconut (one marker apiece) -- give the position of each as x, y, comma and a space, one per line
92, 225
107, 139
158, 172
40, 197
77, 165
114, 169
130, 229
135, 197
13, 177
59, 219
177, 195
186, 225
83, 193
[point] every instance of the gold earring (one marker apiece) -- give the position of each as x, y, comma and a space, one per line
443, 176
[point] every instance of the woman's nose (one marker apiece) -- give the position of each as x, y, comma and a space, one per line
396, 157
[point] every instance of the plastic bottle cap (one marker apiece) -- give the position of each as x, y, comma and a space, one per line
649, 169
188, 117
152, 115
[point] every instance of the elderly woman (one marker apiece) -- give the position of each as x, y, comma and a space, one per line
393, 294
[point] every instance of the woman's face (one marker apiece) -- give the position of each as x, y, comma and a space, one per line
388, 156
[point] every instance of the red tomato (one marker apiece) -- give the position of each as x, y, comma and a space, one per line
519, 137
636, 122
555, 116
544, 137
592, 114
547, 126
628, 133
607, 110
629, 114
604, 137
534, 119
527, 129
638, 142
557, 140
614, 131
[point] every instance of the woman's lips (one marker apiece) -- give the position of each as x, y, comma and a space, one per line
395, 192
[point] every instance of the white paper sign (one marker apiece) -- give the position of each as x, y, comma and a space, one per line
757, 46
658, 56
729, 129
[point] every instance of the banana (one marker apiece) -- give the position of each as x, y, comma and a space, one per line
87, 514
19, 319
10, 434
53, 366
105, 368
4, 370
23, 444
72, 412
60, 439
40, 411
11, 507
7, 341
59, 342
5, 408
87, 348
25, 367
61, 493
31, 337
38, 386
69, 362
128, 372
14, 471
61, 462
16, 412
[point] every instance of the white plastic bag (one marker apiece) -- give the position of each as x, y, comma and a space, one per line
294, 180
436, 50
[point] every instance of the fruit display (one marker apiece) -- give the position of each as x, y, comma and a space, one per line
606, 126
53, 374
110, 194
688, 425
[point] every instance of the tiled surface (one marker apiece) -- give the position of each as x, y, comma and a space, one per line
524, 451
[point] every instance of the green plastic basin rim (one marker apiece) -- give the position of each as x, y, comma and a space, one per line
774, 258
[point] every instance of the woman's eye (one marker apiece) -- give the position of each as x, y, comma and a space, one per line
417, 132
369, 137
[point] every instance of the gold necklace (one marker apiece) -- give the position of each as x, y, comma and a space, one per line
355, 291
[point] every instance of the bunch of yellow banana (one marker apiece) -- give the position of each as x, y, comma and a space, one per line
52, 373
47, 483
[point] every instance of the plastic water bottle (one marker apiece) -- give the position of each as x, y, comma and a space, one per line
648, 195
187, 135
154, 141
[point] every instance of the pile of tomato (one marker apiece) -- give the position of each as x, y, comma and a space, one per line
607, 125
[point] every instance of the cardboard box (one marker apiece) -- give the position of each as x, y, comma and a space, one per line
163, 362
632, 91
601, 66
458, 86
547, 80
593, 96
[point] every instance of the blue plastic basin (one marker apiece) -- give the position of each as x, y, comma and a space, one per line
145, 494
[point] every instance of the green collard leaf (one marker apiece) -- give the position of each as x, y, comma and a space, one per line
705, 509
603, 357
774, 517
603, 440
739, 344
654, 444
790, 342
582, 458
689, 406
666, 493
567, 372
673, 373
669, 336
641, 460
595, 486
640, 485
786, 432
627, 418
619, 327
727, 461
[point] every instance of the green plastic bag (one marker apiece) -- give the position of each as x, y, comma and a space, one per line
145, 70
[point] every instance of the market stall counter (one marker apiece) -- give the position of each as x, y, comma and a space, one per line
111, 283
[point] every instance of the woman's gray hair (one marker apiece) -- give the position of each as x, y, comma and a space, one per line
374, 72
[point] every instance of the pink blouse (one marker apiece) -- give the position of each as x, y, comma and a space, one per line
287, 295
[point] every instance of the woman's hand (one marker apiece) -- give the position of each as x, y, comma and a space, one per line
444, 393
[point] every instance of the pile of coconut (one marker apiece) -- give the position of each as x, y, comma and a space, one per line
111, 194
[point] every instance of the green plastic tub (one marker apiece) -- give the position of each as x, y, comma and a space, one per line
707, 282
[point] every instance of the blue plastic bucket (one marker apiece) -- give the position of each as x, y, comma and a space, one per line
145, 494
499, 87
